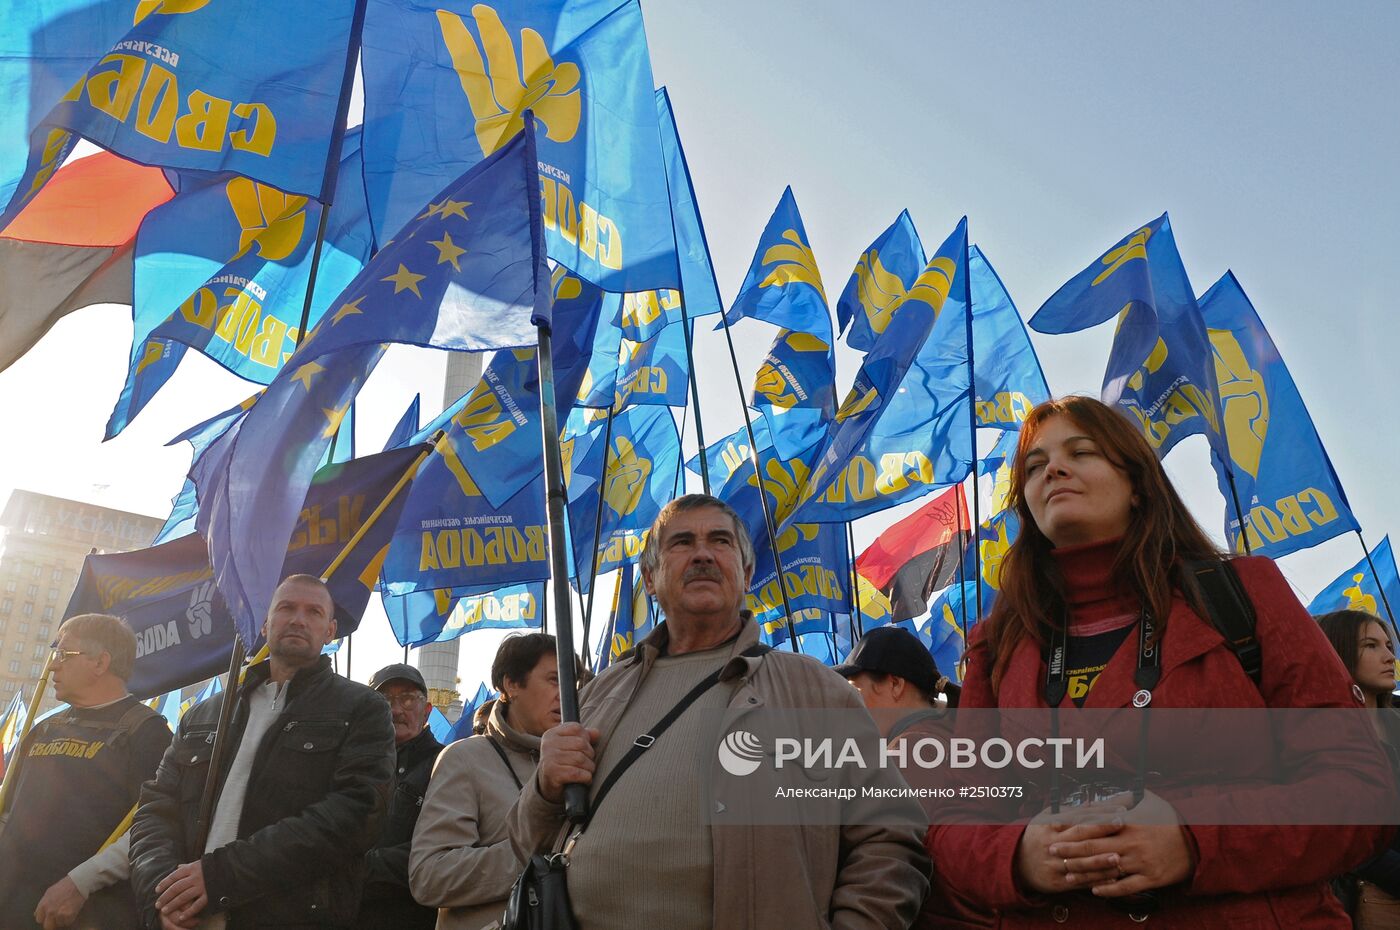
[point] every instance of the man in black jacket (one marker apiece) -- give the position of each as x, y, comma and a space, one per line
388, 904
301, 792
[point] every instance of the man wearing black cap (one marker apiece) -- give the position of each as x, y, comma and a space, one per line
901, 686
897, 679
387, 902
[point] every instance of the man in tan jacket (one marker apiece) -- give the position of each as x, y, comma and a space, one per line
651, 857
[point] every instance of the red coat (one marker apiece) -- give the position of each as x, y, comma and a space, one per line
1250, 877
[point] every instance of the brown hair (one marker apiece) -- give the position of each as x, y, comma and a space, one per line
1161, 536
1343, 630
107, 633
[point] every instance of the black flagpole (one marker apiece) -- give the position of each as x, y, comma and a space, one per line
330, 177
598, 528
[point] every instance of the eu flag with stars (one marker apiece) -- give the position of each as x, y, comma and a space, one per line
1160, 369
447, 83
882, 277
247, 88
465, 274
1282, 476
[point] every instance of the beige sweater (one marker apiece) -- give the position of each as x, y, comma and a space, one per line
462, 861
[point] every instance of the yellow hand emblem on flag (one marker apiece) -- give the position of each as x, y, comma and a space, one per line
934, 283
171, 7
857, 401
564, 285
1243, 400
268, 218
1135, 246
626, 478
793, 262
501, 88
879, 291
993, 552
1358, 599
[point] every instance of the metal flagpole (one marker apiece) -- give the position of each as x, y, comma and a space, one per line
1385, 601
12, 771
857, 624
762, 493
598, 528
962, 601
972, 419
695, 399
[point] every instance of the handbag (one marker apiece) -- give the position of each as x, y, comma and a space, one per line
539, 899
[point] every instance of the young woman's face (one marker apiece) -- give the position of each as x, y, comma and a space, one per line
1375, 660
1075, 494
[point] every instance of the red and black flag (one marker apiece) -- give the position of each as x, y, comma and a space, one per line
919, 554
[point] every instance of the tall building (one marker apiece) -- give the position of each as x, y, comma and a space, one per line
43, 541
439, 661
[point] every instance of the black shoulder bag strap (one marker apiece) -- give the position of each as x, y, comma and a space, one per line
1230, 611
505, 761
644, 742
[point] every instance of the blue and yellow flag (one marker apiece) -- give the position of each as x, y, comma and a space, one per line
810, 623
201, 86
581, 67
11, 727
651, 372
1282, 476
882, 277
641, 476
466, 274
697, 273
167, 593
1362, 588
44, 48
632, 617
783, 285
795, 389
905, 428
1160, 370
1009, 379
429, 616
463, 727
404, 430
223, 268
994, 538
950, 620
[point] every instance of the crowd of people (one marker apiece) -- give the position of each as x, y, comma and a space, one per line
330, 803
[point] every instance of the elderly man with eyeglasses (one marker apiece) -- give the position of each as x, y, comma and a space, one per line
64, 842
387, 903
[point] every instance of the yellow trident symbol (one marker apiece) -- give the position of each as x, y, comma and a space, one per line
1357, 599
269, 219
500, 89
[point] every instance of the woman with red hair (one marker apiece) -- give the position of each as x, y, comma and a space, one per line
1099, 607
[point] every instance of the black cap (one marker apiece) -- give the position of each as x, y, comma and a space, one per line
893, 650
398, 672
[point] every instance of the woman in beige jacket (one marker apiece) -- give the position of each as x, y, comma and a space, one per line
462, 861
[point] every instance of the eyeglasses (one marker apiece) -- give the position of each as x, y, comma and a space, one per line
59, 656
408, 699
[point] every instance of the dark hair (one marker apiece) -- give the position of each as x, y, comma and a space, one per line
1161, 536
481, 715
945, 687
314, 582
651, 553
518, 656
1343, 630
108, 633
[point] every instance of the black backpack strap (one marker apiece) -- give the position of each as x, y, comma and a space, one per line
505, 761
644, 742
1231, 612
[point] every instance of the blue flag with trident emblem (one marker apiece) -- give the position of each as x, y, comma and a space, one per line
1160, 370
883, 275
465, 274
632, 617
1361, 588
446, 84
241, 87
1291, 497
223, 268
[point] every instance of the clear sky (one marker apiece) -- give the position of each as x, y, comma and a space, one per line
1267, 129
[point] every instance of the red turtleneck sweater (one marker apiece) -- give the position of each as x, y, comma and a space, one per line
1101, 614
